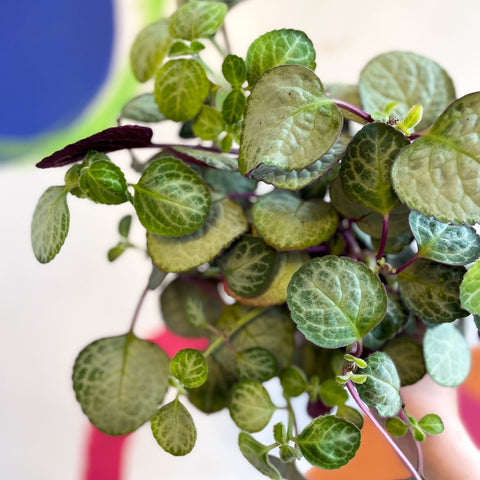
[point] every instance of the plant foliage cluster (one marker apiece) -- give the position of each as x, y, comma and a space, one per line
337, 220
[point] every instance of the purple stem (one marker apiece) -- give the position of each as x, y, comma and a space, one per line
137, 309
383, 240
407, 264
418, 448
353, 392
317, 249
353, 109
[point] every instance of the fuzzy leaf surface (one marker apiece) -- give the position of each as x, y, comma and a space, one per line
407, 79
149, 49
329, 442
366, 167
279, 47
225, 222
197, 19
443, 242
109, 373
249, 266
381, 389
470, 289
234, 70
257, 454
189, 366
439, 173
50, 224
233, 106
181, 86
256, 364
447, 355
432, 291
335, 301
287, 222
174, 429
289, 121
250, 406
297, 179
170, 199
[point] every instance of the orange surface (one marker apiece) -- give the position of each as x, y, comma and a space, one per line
472, 383
374, 456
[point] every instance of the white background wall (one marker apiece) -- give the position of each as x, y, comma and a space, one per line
48, 313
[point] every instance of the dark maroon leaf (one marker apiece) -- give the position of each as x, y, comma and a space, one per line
109, 140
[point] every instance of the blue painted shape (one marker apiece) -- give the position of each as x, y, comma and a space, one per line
54, 57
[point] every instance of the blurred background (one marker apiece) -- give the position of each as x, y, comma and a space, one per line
65, 75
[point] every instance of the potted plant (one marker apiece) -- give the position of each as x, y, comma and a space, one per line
321, 235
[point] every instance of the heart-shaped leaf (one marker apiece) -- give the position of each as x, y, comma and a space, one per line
447, 355
381, 388
335, 301
366, 167
225, 222
289, 223
289, 121
109, 373
329, 442
470, 289
407, 79
173, 428
442, 242
439, 173
170, 199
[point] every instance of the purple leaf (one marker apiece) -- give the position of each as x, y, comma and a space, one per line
109, 140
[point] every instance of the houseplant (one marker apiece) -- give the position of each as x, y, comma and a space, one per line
348, 275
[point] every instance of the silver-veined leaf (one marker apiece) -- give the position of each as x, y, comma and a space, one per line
109, 374
335, 301
289, 121
189, 366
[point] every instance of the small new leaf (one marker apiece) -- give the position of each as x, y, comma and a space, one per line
396, 427
431, 424
189, 367
174, 429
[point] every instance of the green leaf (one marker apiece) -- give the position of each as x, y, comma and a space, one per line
256, 364
197, 19
279, 47
366, 167
450, 244
276, 294
407, 355
181, 86
109, 374
447, 355
114, 252
225, 222
156, 278
170, 199
212, 159
189, 367
248, 266
142, 109
233, 107
297, 179
149, 49
173, 428
332, 394
407, 79
294, 381
198, 306
351, 415
431, 423
381, 389
234, 70
50, 223
438, 174
102, 181
208, 124
329, 442
335, 301
250, 406
432, 291
289, 223
280, 433
124, 226
470, 289
289, 121
257, 454
396, 427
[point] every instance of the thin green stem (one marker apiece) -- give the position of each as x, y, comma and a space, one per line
137, 309
356, 397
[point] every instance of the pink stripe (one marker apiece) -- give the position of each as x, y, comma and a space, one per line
104, 453
469, 408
